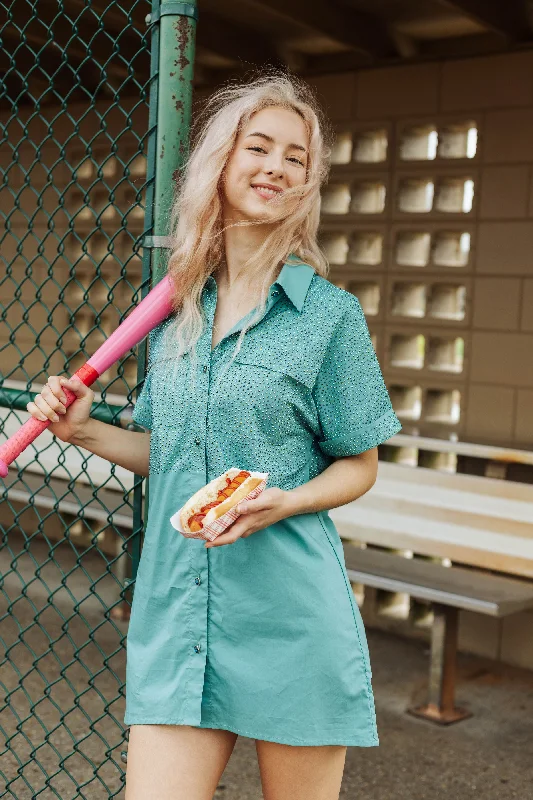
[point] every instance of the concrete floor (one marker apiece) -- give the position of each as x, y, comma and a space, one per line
487, 757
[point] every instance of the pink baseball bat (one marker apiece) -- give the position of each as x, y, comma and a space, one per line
155, 307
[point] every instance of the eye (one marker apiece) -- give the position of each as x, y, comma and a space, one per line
262, 150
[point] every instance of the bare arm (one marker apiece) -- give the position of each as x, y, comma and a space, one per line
343, 481
128, 449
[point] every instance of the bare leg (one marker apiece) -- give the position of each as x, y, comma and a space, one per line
300, 773
176, 762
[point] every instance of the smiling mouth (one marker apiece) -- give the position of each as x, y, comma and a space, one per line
262, 191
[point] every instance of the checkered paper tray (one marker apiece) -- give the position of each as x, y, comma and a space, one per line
218, 526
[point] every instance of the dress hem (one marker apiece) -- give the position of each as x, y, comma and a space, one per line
348, 741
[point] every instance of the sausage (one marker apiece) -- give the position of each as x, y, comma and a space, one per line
196, 521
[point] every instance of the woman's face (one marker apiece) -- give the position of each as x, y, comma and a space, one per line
271, 150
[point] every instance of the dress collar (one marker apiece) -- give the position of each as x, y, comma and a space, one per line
294, 279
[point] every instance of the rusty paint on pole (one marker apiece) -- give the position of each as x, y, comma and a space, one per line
176, 66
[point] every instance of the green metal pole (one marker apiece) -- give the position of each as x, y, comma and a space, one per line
177, 28
172, 62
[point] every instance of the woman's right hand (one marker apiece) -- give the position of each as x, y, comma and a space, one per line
49, 404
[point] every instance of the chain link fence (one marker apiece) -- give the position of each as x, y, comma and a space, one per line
77, 156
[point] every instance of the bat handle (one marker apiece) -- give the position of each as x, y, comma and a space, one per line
32, 428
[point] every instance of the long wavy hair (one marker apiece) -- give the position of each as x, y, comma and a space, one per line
196, 224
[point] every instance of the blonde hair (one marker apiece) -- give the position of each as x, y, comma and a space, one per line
196, 221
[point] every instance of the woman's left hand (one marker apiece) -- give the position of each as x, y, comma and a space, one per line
271, 506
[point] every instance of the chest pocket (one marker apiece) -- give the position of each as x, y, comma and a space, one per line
264, 412
269, 397
275, 386
300, 369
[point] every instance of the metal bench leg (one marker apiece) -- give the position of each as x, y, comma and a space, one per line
440, 706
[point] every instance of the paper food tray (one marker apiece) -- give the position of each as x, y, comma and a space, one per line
218, 526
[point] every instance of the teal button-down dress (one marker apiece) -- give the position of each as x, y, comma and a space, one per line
262, 637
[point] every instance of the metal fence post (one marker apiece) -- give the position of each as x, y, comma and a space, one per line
93, 127
173, 37
177, 26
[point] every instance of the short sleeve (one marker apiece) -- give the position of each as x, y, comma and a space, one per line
142, 412
354, 408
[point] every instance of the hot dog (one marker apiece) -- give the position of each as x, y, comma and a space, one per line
218, 496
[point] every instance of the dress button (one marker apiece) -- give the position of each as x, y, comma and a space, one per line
197, 441
205, 368
197, 648
197, 580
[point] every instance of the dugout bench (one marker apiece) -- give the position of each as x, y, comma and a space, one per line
449, 589
483, 524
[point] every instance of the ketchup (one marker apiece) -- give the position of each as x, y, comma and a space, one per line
196, 521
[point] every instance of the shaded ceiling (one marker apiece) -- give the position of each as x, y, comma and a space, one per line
101, 47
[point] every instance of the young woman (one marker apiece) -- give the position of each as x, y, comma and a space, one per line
268, 366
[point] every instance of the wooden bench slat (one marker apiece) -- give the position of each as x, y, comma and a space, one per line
453, 513
110, 505
460, 482
509, 455
435, 497
468, 545
456, 586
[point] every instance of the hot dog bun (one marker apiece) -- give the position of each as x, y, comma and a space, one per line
209, 493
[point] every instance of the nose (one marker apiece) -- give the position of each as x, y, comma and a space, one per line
275, 164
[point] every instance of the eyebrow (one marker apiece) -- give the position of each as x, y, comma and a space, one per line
270, 139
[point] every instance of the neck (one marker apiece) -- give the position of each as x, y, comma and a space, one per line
240, 243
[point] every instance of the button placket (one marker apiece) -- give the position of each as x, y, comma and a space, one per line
199, 555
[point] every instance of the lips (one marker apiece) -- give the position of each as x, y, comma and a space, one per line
265, 192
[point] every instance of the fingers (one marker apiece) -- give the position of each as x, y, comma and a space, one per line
236, 530
54, 384
49, 404
76, 386
44, 409
53, 394
37, 413
230, 537
220, 540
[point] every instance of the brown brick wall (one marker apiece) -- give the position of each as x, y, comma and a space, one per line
392, 247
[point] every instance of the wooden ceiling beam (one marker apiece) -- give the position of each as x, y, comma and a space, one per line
355, 29
454, 47
234, 41
506, 18
463, 46
337, 62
